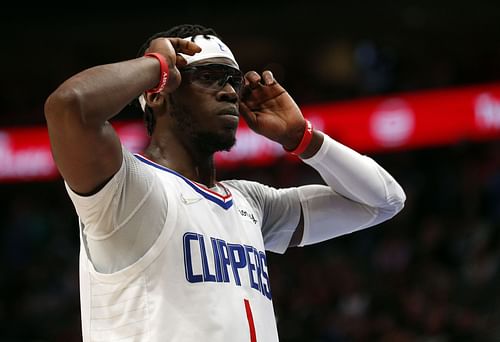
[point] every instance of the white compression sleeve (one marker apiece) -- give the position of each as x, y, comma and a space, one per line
360, 193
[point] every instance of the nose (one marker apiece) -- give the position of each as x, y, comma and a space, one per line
227, 93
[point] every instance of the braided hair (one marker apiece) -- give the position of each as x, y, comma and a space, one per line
180, 31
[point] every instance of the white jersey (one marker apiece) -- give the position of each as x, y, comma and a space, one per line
203, 275
166, 259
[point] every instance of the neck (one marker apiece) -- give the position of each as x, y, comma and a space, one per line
189, 161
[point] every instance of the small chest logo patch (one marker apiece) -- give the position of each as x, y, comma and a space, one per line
190, 200
248, 215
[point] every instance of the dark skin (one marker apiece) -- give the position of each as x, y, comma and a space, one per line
88, 152
206, 110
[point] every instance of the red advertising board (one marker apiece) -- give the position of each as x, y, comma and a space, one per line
400, 121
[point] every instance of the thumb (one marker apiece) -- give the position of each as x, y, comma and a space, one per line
180, 61
248, 115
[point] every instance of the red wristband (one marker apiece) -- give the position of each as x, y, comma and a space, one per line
305, 141
163, 72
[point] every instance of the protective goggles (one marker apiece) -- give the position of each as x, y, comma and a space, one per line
213, 76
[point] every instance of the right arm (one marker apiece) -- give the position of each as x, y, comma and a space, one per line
86, 149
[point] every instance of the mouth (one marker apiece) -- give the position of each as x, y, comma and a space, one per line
230, 117
231, 111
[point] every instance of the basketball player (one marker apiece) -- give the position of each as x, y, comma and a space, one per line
168, 253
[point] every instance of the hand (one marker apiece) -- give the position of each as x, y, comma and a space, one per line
170, 49
270, 111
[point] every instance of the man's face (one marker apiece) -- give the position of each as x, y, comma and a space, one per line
205, 105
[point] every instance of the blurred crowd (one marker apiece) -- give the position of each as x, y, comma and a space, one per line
429, 275
322, 52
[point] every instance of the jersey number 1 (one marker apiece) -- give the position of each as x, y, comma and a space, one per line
251, 325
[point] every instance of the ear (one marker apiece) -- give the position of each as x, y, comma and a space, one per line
155, 101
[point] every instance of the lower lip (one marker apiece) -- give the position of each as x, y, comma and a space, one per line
231, 118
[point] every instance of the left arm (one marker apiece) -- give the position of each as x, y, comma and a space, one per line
359, 194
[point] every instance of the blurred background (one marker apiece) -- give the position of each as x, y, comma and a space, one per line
431, 67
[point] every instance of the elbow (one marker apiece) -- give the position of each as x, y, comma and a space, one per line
401, 198
399, 204
396, 201
63, 103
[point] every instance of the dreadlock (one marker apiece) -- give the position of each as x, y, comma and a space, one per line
180, 31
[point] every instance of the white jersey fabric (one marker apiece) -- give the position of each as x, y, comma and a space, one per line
204, 274
166, 259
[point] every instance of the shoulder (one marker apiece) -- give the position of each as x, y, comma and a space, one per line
260, 195
139, 164
246, 187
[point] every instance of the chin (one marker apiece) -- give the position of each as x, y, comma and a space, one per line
212, 142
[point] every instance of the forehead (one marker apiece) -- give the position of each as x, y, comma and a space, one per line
216, 60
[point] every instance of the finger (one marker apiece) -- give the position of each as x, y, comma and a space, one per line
184, 46
253, 79
246, 90
268, 78
252, 76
